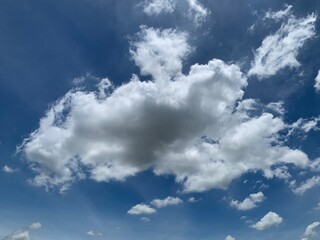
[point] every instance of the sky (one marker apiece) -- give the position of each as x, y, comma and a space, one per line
159, 119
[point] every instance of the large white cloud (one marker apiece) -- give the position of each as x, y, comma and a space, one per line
269, 220
280, 50
249, 202
195, 126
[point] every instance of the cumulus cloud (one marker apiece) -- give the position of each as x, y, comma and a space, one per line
193, 200
155, 7
306, 185
169, 201
194, 126
317, 82
280, 50
230, 238
269, 220
310, 231
92, 233
197, 12
141, 209
8, 169
249, 202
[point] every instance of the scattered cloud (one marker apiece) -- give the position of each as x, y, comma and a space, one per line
91, 233
306, 185
8, 169
156, 7
317, 82
141, 209
169, 201
280, 50
248, 203
310, 231
269, 220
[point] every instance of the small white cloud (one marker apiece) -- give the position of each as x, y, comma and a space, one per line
230, 238
141, 209
306, 185
280, 50
248, 203
197, 12
317, 82
155, 7
8, 169
310, 231
269, 220
169, 201
193, 199
35, 225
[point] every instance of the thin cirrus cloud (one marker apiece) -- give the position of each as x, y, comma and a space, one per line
280, 49
193, 126
249, 202
269, 220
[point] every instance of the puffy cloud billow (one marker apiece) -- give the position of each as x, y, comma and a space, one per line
195, 126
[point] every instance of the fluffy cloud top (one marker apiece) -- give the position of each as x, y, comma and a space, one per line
280, 50
169, 201
196, 126
317, 82
35, 225
155, 7
248, 203
141, 209
269, 220
310, 231
230, 238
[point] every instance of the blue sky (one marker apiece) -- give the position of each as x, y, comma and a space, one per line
159, 119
